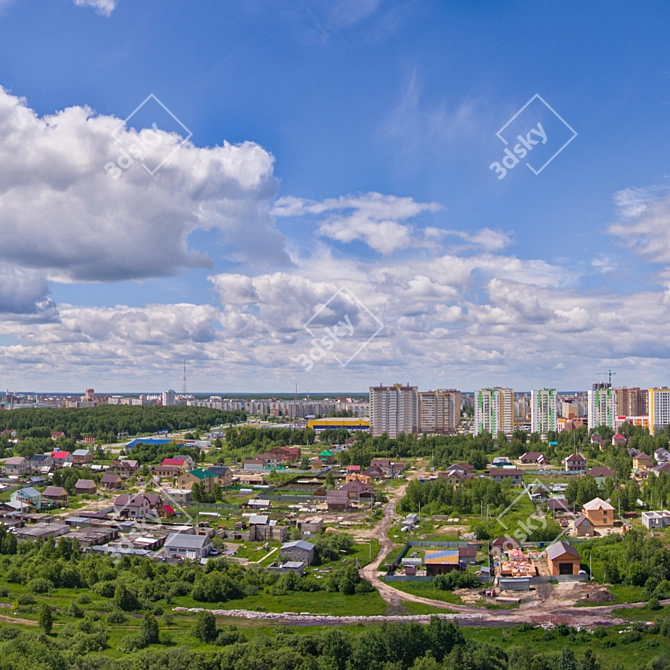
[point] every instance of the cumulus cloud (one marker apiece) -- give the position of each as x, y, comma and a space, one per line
372, 218
63, 211
102, 7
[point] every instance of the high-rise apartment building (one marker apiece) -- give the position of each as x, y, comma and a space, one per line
494, 410
631, 402
440, 411
602, 406
169, 398
543, 411
394, 410
659, 409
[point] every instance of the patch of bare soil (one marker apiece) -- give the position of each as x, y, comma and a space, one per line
600, 596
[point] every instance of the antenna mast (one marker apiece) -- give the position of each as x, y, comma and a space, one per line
183, 385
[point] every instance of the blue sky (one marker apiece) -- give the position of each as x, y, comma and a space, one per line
343, 143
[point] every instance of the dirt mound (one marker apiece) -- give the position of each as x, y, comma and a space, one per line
600, 596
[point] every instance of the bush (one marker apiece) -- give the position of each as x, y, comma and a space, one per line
84, 599
158, 610
600, 632
104, 589
25, 599
8, 633
4, 591
117, 616
40, 586
229, 635
75, 611
654, 604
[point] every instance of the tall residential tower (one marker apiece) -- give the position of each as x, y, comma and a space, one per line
393, 410
440, 411
494, 410
543, 411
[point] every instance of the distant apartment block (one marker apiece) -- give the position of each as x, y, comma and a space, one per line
394, 410
494, 410
543, 411
602, 406
440, 411
631, 401
659, 409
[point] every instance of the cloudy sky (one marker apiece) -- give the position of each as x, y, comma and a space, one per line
333, 194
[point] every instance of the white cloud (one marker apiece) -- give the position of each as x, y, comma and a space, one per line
647, 222
370, 217
103, 7
61, 212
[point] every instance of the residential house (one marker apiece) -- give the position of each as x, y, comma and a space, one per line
286, 455
39, 462
563, 559
599, 512
200, 475
62, 459
504, 543
358, 477
390, 468
182, 464
462, 465
575, 464
601, 473
310, 526
187, 546
583, 527
337, 500
85, 487
467, 555
533, 457
662, 455
82, 456
133, 506
642, 462
224, 475
56, 434
663, 467
155, 501
618, 439
55, 493
28, 496
111, 482
315, 463
358, 490
300, 550
262, 529
353, 469
374, 472
17, 465
125, 468
327, 456
454, 477
507, 474
660, 519
165, 471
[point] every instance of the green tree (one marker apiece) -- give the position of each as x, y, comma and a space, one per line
125, 598
149, 631
204, 628
46, 618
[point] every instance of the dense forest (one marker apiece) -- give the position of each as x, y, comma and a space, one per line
106, 421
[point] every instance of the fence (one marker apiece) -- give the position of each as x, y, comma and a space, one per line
421, 543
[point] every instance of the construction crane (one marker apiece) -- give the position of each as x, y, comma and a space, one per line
609, 373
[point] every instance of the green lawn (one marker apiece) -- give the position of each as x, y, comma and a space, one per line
426, 590
623, 593
321, 602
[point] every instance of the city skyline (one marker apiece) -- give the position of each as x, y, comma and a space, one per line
318, 202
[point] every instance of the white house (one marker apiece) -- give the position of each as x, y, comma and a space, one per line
188, 546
